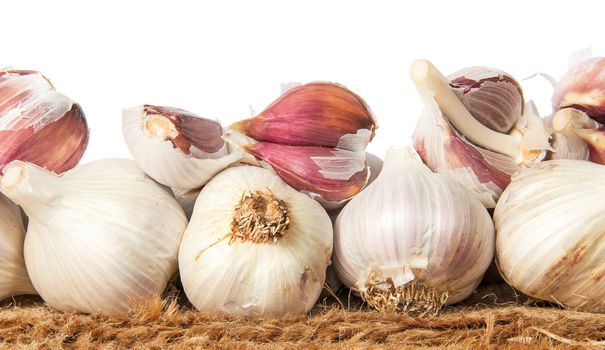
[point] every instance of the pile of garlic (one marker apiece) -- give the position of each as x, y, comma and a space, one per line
260, 216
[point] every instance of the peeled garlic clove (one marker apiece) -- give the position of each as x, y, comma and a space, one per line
315, 114
492, 96
254, 245
549, 242
99, 237
38, 124
175, 147
13, 276
413, 240
454, 142
330, 174
583, 88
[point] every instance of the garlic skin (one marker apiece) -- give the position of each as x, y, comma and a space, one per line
549, 242
186, 198
227, 269
175, 147
99, 237
571, 128
39, 124
453, 142
314, 137
413, 240
583, 88
13, 276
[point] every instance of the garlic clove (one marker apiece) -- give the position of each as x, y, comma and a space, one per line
549, 242
413, 240
492, 96
175, 147
38, 124
100, 236
13, 275
583, 88
316, 114
254, 245
332, 174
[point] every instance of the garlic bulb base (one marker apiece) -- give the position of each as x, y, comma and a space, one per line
412, 298
259, 218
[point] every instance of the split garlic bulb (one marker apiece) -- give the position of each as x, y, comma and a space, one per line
549, 241
175, 147
99, 236
13, 276
254, 245
413, 240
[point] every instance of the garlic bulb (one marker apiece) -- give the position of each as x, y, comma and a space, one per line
175, 147
314, 137
254, 245
38, 124
413, 240
456, 143
99, 236
549, 241
13, 276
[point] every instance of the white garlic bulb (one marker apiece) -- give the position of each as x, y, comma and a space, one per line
254, 245
175, 147
413, 240
99, 236
550, 225
13, 276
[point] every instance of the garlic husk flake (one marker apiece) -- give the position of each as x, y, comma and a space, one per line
413, 240
549, 241
99, 237
13, 275
228, 266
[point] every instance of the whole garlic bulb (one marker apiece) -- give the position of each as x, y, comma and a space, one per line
550, 233
413, 240
99, 236
13, 276
254, 245
175, 147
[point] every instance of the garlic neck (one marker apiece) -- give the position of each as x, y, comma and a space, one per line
30, 186
259, 217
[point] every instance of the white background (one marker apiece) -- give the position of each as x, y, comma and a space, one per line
218, 59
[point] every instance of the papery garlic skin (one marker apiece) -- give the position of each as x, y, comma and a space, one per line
549, 241
176, 148
13, 275
99, 237
224, 273
583, 88
412, 232
39, 124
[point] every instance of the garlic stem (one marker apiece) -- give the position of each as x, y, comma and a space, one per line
431, 83
572, 118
